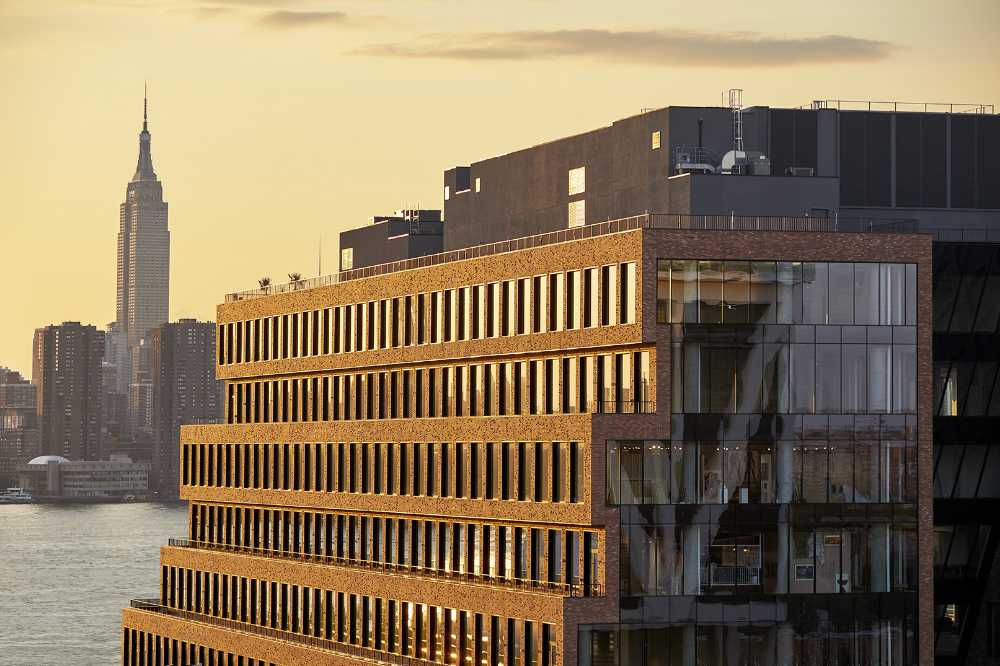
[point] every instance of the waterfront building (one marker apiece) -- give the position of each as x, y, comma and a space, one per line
185, 391
53, 478
596, 435
455, 472
19, 436
67, 371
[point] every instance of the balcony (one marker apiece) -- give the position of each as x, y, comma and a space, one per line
410, 571
670, 221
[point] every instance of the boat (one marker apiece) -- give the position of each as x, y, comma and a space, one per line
16, 496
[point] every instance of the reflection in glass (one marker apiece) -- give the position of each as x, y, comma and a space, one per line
803, 378
763, 293
841, 293
710, 276
879, 386
854, 378
815, 291
892, 291
736, 292
828, 375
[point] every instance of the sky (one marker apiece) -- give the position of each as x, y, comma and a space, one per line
276, 124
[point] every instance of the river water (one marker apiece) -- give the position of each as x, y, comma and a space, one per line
66, 572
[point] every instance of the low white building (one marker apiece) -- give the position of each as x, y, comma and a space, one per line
55, 477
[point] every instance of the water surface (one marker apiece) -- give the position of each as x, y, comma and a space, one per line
67, 571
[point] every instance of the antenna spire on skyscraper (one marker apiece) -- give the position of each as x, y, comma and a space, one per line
144, 106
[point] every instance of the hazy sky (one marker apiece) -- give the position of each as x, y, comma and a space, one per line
276, 123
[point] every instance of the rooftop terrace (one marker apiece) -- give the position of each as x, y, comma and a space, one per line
668, 221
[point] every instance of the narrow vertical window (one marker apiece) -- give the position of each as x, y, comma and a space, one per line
626, 293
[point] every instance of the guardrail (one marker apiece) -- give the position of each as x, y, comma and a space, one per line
670, 221
891, 105
349, 649
624, 407
520, 584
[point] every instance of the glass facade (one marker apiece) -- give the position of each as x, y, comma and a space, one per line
777, 524
966, 457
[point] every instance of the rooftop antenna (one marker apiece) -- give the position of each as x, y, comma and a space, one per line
144, 107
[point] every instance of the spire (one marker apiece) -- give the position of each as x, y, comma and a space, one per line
144, 168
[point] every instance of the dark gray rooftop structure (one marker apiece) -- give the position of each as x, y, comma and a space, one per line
883, 161
406, 234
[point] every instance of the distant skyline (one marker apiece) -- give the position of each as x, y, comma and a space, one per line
278, 122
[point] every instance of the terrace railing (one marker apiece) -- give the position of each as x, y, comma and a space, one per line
668, 221
522, 584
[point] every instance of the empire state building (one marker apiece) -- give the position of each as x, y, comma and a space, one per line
143, 258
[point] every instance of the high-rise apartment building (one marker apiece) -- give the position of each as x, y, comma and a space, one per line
66, 369
143, 260
19, 441
185, 391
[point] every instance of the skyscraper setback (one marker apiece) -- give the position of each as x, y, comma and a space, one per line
143, 258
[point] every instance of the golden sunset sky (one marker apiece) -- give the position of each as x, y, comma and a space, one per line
275, 123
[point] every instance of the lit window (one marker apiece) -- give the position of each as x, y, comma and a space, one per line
577, 180
478, 184
447, 192
347, 258
655, 138
577, 213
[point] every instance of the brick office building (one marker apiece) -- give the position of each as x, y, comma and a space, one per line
465, 457
456, 473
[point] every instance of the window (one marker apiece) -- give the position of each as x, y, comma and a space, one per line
577, 180
346, 258
655, 140
447, 192
478, 184
576, 212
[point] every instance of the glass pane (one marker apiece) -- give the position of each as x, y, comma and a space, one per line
841, 293
711, 472
763, 292
866, 472
828, 372
866, 294
803, 378
722, 392
970, 471
789, 295
684, 291
656, 472
854, 379
710, 276
879, 385
775, 378
904, 378
684, 472
841, 472
892, 287
630, 455
815, 290
663, 291
749, 374
614, 474
737, 487
737, 292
